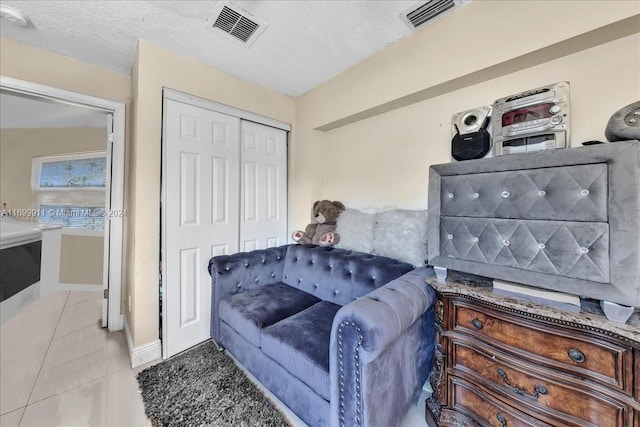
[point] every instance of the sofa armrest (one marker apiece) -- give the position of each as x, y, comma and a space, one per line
231, 274
381, 353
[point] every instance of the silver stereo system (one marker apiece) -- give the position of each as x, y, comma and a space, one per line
534, 120
470, 131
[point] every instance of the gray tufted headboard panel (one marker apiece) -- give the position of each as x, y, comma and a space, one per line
566, 220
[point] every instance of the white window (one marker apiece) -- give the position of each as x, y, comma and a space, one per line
69, 190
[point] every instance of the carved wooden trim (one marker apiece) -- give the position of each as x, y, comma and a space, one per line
439, 311
455, 419
434, 407
543, 318
438, 383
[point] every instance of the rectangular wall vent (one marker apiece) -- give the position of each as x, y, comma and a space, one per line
236, 22
418, 16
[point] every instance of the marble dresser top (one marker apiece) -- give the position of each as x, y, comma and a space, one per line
590, 313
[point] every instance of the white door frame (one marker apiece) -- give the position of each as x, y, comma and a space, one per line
114, 318
224, 109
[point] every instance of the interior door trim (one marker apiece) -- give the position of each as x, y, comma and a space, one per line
224, 109
114, 318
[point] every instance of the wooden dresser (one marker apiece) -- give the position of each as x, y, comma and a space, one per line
503, 361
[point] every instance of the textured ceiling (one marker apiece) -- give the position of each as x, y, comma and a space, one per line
305, 44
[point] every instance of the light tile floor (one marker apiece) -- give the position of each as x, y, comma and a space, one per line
58, 367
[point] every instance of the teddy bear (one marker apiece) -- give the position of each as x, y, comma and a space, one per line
322, 232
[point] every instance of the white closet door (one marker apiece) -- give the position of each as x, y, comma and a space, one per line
200, 215
263, 201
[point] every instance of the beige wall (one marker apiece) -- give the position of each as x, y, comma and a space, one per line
81, 258
18, 147
29, 63
384, 160
388, 118
154, 69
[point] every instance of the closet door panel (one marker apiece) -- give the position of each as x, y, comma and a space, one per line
200, 214
264, 186
224, 191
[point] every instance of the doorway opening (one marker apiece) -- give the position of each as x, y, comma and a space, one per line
73, 154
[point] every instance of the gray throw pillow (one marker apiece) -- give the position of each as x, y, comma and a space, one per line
401, 234
356, 230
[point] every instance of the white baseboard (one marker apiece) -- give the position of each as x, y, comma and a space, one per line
143, 354
146, 353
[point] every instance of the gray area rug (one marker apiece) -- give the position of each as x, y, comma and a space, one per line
203, 387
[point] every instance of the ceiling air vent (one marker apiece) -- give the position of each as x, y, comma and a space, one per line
236, 22
418, 16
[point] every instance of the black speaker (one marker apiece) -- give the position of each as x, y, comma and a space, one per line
624, 124
471, 139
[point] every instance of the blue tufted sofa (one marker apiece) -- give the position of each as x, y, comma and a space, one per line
343, 338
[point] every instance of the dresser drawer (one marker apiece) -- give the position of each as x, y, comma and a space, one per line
555, 193
533, 388
485, 409
572, 250
581, 354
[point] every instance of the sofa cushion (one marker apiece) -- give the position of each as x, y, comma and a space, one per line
337, 275
300, 344
249, 311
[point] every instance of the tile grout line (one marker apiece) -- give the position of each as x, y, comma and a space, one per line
72, 332
64, 336
44, 358
84, 300
83, 327
70, 361
79, 385
23, 409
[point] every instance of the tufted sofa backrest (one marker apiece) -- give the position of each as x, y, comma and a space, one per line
337, 275
249, 270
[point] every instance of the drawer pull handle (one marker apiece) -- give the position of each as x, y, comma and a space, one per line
537, 390
502, 420
576, 355
477, 324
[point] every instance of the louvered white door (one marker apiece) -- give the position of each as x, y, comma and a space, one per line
263, 195
200, 215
